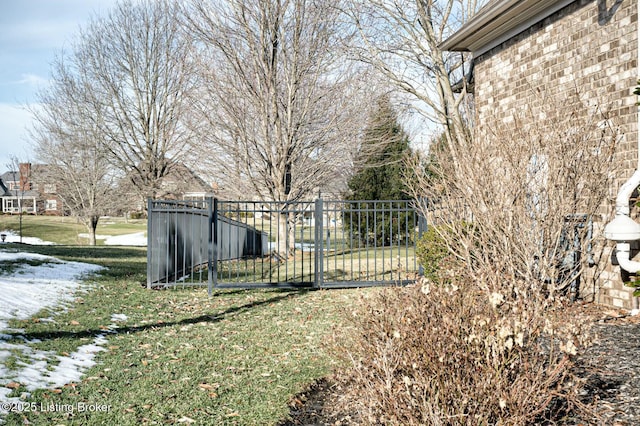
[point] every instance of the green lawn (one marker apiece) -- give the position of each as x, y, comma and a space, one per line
393, 264
181, 357
67, 230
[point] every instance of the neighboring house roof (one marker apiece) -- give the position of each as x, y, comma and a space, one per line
499, 21
190, 180
179, 181
10, 176
22, 194
3, 187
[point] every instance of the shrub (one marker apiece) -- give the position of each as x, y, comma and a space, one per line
444, 354
137, 215
431, 250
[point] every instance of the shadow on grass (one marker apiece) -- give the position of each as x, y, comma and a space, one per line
46, 335
82, 252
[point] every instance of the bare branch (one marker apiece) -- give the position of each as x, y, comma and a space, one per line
401, 39
532, 189
282, 104
133, 71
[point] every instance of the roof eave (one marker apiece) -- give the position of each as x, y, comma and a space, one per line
498, 22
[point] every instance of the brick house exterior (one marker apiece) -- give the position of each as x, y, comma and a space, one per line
520, 46
29, 188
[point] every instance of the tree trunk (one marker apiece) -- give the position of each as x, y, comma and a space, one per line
282, 243
92, 226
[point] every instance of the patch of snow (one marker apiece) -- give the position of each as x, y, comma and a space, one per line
136, 239
273, 246
39, 372
72, 367
12, 237
30, 289
9, 256
23, 293
119, 318
98, 236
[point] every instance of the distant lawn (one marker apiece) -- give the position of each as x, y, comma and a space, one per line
118, 226
67, 230
181, 357
382, 264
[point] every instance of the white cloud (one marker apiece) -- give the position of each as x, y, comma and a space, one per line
14, 142
32, 33
33, 80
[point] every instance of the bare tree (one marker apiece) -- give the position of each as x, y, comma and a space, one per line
401, 39
22, 177
73, 149
282, 104
133, 70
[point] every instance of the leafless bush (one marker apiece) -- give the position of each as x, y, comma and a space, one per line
533, 188
489, 340
444, 354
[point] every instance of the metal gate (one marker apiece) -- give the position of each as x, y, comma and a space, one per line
313, 244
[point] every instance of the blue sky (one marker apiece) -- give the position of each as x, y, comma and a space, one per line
32, 32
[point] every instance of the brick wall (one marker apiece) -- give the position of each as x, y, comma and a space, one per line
577, 47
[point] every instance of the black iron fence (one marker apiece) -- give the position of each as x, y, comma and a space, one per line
318, 244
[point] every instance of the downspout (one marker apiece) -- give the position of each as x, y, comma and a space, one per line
622, 228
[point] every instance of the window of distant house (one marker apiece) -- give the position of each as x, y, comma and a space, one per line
51, 205
13, 185
49, 188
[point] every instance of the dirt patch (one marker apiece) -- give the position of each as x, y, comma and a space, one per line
313, 407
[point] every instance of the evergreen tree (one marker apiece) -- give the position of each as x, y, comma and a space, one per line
378, 180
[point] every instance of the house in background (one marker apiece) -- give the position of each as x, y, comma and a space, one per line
17, 194
31, 188
180, 183
561, 45
21, 190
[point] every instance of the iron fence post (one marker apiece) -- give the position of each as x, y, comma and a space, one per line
211, 239
149, 243
422, 227
317, 245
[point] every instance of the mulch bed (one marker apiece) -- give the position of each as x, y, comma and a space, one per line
611, 367
614, 367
